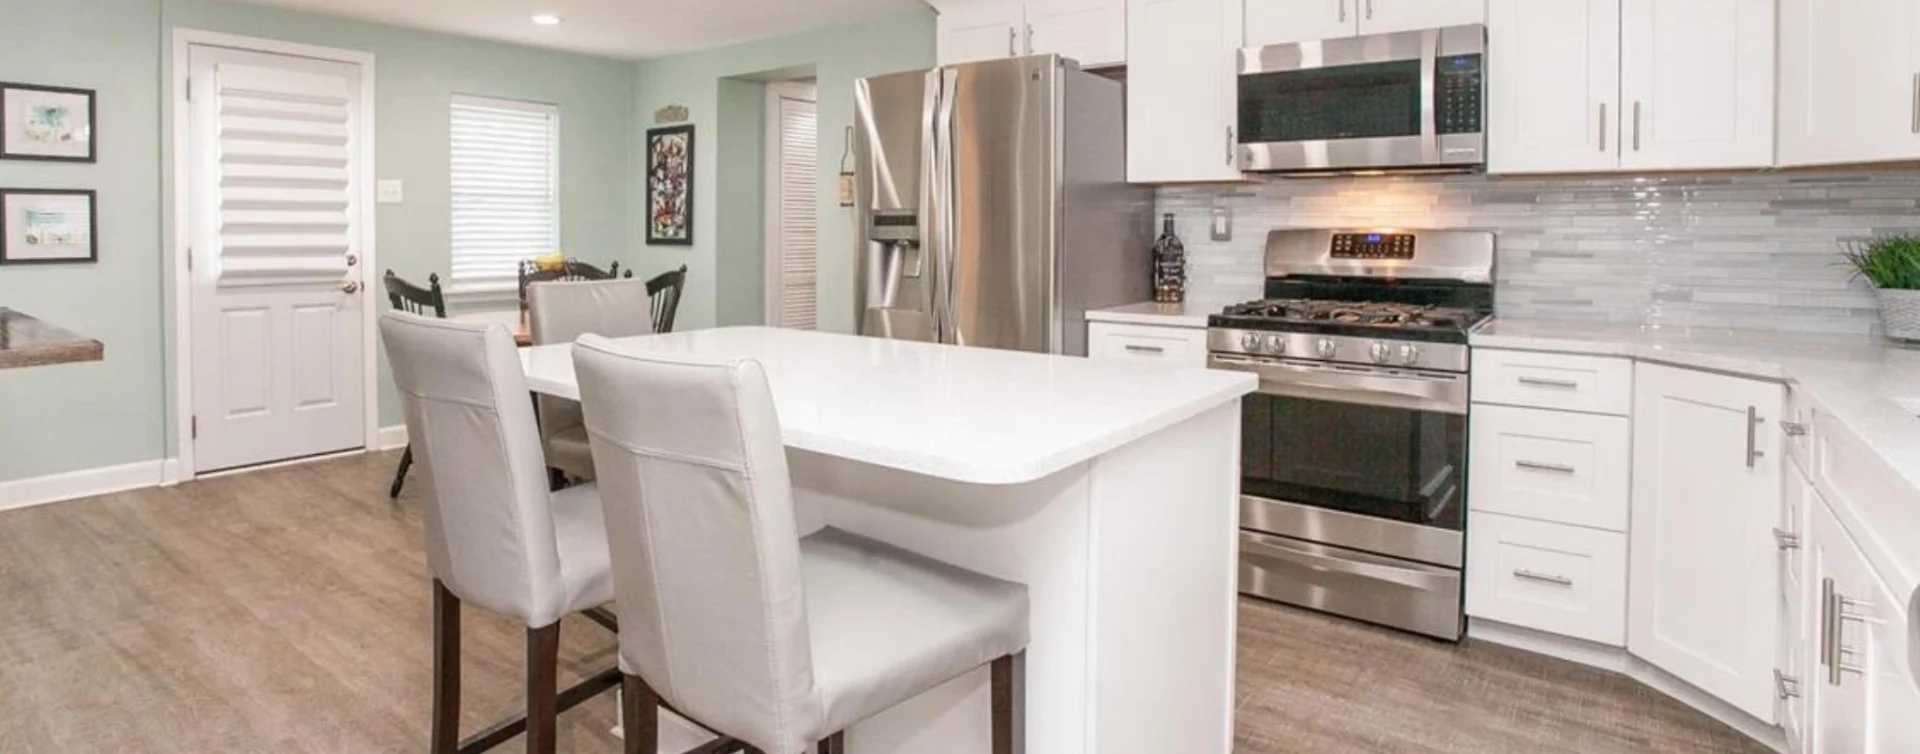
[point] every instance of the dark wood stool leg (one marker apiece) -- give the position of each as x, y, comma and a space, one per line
639, 715
1009, 724
543, 693
446, 669
400, 474
834, 744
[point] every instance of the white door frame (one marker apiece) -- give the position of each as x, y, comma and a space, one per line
772, 281
181, 466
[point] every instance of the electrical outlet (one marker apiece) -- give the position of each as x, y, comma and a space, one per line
1222, 224
390, 192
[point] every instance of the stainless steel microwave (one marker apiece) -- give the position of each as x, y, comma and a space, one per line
1414, 99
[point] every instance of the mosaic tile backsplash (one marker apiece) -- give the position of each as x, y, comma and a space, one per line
1750, 251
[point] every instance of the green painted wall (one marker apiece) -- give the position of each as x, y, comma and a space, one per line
740, 247
88, 416
108, 413
838, 56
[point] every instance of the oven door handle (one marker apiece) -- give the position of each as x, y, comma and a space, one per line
1444, 394
1351, 562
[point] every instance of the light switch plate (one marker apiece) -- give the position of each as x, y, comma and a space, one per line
390, 192
1222, 224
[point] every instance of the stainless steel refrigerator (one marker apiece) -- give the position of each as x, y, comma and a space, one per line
992, 205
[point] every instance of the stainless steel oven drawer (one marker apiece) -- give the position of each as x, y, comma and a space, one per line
1399, 593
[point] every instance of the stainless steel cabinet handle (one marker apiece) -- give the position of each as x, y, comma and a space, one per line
1636, 125
1793, 429
1229, 145
1559, 468
1369, 9
1544, 382
1603, 126
1916, 103
1785, 686
1830, 631
1785, 540
1548, 578
1029, 39
1011, 36
1145, 349
1343, 11
1754, 453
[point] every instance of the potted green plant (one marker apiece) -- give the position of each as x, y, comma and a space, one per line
1892, 265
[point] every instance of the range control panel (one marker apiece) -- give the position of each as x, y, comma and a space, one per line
1372, 246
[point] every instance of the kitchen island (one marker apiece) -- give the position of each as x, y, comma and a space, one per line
1111, 492
26, 341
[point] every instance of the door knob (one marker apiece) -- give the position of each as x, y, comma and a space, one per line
351, 286
353, 259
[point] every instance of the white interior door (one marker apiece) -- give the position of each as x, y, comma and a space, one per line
793, 139
274, 175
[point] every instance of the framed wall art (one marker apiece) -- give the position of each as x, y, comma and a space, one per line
670, 185
48, 226
46, 123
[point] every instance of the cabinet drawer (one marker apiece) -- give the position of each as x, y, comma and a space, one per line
1560, 579
1147, 344
1551, 465
1594, 384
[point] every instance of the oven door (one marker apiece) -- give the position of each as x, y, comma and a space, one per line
1390, 100
1366, 458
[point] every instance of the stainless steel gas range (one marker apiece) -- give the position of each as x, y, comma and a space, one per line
1354, 452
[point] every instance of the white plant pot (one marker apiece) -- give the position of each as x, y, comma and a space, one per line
1899, 313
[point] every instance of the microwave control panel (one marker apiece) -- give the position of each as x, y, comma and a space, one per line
1458, 89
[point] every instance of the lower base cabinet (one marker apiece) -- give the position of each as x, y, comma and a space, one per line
1566, 580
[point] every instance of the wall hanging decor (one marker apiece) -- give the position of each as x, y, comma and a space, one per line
47, 226
46, 123
670, 185
846, 170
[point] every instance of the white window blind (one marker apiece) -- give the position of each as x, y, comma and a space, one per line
506, 190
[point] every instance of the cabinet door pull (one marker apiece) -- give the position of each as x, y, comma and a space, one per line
1029, 39
1011, 36
1754, 453
1229, 145
1636, 125
1544, 577
1343, 11
1137, 348
1829, 632
1916, 103
1558, 468
1544, 382
1785, 540
1603, 126
1369, 10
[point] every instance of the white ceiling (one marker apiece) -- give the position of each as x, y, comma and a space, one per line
614, 28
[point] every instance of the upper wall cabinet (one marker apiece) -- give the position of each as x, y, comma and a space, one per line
1280, 21
1181, 90
972, 30
1595, 85
1849, 81
1091, 32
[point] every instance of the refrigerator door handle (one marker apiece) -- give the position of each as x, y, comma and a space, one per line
930, 227
944, 210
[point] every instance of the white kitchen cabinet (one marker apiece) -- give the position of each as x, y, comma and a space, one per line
1703, 578
1796, 615
1551, 466
1386, 16
971, 30
1147, 344
1092, 32
1837, 698
1696, 83
1553, 103
1272, 22
1565, 580
1181, 90
1849, 84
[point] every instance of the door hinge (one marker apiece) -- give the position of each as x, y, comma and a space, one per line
189, 88
189, 258
1785, 540
194, 427
1793, 429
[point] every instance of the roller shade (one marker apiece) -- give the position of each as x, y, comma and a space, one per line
283, 183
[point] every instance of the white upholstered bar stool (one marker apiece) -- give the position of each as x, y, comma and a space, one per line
729, 616
495, 537
560, 312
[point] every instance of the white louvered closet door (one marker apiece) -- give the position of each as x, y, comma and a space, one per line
274, 173
793, 233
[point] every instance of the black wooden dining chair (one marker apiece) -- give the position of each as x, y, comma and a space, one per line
412, 299
663, 292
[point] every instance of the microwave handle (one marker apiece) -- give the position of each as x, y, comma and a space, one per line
1429, 90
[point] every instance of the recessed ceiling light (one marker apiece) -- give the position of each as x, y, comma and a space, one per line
547, 19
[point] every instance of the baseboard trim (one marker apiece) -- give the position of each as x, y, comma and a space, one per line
1618, 660
53, 488
392, 437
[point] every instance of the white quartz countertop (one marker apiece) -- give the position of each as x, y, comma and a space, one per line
1870, 386
967, 414
1190, 314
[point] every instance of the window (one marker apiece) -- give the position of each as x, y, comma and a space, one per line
506, 190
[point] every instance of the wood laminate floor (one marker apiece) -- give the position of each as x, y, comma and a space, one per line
285, 610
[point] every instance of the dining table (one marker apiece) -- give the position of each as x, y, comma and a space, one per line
1110, 491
